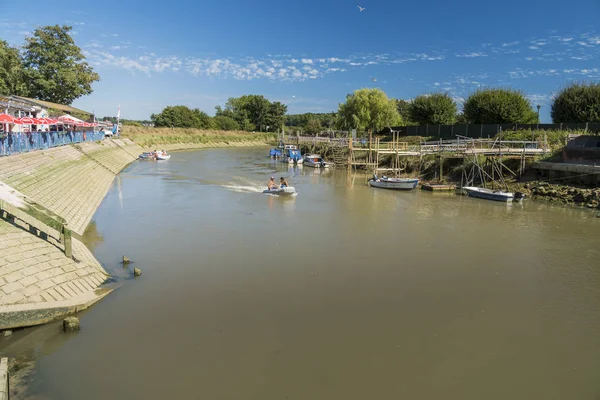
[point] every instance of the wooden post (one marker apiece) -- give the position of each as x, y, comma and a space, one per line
66, 239
350, 149
441, 167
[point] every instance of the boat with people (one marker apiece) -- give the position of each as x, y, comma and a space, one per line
488, 194
316, 161
393, 183
283, 189
155, 155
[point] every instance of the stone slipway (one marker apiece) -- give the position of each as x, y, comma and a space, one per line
38, 282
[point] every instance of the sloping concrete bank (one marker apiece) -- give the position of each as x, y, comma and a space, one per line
45, 275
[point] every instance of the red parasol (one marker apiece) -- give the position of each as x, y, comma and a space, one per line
5, 118
24, 121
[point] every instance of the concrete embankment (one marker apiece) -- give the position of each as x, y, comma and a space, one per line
48, 272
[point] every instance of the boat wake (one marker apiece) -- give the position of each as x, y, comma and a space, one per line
244, 189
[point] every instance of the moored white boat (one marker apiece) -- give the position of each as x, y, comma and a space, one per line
393, 183
291, 155
163, 156
146, 156
282, 191
316, 161
488, 194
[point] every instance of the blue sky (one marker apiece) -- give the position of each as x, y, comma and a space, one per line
310, 54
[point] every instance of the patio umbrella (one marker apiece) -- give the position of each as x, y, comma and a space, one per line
5, 118
25, 121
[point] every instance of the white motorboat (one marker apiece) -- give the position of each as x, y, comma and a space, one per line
393, 183
291, 155
488, 194
316, 161
282, 191
163, 156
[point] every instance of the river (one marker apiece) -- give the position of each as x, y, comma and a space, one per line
343, 292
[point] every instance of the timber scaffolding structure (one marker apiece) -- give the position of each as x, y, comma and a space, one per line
370, 153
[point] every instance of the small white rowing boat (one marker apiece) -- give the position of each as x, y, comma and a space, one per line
487, 194
393, 183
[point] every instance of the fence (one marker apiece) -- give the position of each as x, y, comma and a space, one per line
11, 143
486, 130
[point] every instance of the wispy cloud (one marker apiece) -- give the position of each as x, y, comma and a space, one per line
472, 55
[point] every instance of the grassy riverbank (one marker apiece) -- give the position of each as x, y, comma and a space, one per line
188, 137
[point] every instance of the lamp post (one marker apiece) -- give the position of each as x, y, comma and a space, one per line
538, 115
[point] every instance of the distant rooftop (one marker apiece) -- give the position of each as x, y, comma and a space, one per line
48, 104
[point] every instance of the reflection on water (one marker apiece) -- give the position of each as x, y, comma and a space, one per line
343, 292
91, 236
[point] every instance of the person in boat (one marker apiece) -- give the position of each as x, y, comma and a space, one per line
283, 183
272, 184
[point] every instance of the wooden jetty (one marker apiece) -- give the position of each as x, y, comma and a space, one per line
370, 153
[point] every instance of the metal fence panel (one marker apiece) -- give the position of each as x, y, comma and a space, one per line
13, 143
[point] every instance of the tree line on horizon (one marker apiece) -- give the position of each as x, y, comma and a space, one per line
372, 109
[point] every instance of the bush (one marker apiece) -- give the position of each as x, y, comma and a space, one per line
226, 123
554, 139
182, 117
498, 106
433, 109
578, 102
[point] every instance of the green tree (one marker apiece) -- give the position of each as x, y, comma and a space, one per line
433, 109
313, 126
498, 106
578, 102
55, 68
226, 123
11, 71
368, 109
403, 107
182, 117
254, 112
276, 116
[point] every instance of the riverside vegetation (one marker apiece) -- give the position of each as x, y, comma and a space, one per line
190, 137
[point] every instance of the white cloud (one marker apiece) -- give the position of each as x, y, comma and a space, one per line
510, 44
307, 61
471, 55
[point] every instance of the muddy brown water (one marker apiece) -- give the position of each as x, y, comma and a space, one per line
343, 292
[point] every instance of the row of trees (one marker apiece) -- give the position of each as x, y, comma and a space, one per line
249, 113
484, 106
49, 66
371, 109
